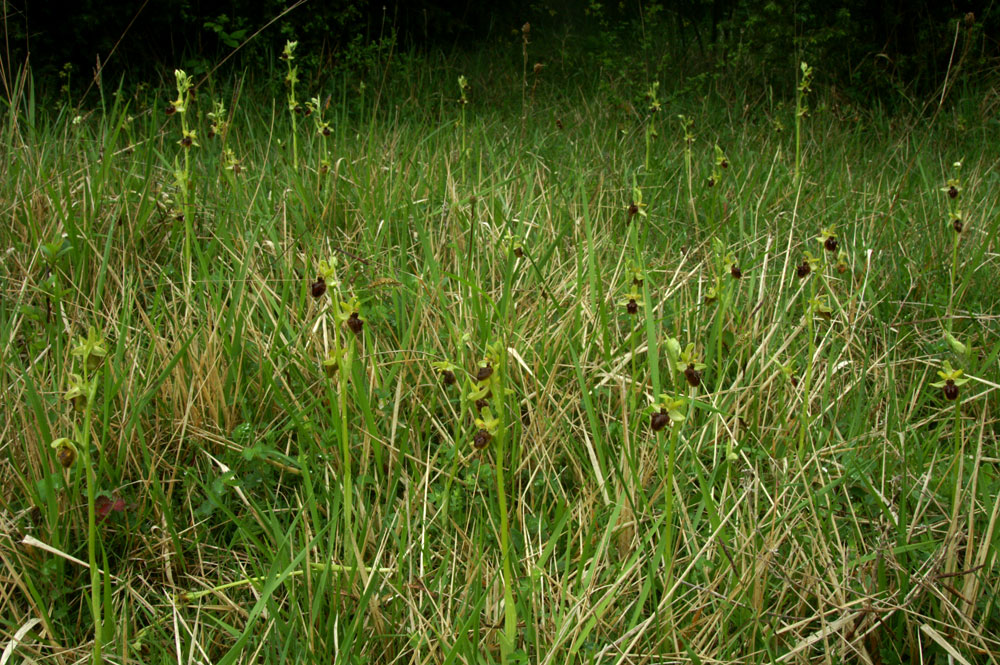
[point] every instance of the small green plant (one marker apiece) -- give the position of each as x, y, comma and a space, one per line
348, 332
486, 396
463, 102
687, 129
653, 107
809, 266
314, 108
294, 108
953, 191
89, 352
802, 89
182, 175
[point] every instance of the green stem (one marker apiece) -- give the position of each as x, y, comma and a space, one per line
809, 368
951, 290
95, 573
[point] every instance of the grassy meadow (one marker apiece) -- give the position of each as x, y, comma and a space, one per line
546, 366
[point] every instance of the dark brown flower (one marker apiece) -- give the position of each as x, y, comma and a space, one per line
484, 372
632, 307
326, 131
830, 244
318, 288
171, 109
537, 69
724, 163
711, 182
953, 192
66, 455
736, 272
692, 375
481, 439
633, 210
559, 124
355, 323
659, 420
950, 390
803, 270
187, 142
957, 225
448, 377
482, 404
519, 252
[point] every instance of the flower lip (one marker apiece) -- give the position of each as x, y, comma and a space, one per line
692, 375
659, 420
481, 439
318, 288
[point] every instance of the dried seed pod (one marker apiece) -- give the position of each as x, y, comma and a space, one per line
484, 372
659, 420
830, 244
481, 439
692, 375
950, 390
355, 323
318, 288
803, 270
736, 272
